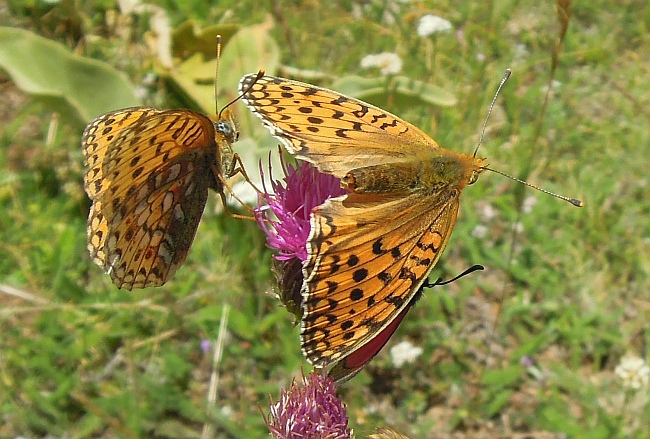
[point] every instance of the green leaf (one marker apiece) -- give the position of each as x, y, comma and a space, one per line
498, 401
249, 50
76, 87
502, 377
188, 38
400, 89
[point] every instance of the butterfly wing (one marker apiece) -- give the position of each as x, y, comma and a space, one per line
332, 131
96, 138
367, 259
351, 365
149, 174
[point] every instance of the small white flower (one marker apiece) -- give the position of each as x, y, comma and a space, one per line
487, 213
634, 372
140, 92
480, 231
389, 63
528, 204
431, 24
404, 352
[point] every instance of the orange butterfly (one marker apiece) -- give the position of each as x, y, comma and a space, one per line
148, 177
370, 251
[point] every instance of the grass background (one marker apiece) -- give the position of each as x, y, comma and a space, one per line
570, 290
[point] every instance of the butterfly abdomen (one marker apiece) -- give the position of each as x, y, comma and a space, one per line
402, 178
389, 178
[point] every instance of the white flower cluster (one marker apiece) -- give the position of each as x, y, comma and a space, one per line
430, 24
389, 63
404, 352
634, 372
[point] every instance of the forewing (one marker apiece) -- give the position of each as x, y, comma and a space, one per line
99, 136
367, 259
335, 132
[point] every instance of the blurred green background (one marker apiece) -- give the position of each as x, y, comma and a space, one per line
528, 346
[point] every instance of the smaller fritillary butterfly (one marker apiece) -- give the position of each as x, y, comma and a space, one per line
148, 177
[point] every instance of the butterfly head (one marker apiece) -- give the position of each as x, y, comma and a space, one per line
477, 165
226, 127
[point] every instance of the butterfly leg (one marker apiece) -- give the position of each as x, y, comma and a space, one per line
226, 184
239, 169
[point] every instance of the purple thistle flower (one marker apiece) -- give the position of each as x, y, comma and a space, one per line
284, 216
310, 410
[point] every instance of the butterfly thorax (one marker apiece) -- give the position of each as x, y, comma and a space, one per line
442, 170
226, 134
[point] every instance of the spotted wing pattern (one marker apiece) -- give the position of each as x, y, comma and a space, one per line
332, 131
148, 177
351, 365
358, 279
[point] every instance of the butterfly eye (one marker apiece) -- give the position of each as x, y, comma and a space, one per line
226, 130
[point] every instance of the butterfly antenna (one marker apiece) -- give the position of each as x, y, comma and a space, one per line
216, 77
259, 76
494, 99
573, 201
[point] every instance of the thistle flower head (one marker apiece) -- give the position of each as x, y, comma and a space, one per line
288, 275
284, 215
284, 212
309, 410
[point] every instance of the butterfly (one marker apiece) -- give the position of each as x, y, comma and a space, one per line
369, 251
148, 177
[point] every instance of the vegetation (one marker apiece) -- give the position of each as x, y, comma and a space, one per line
530, 345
